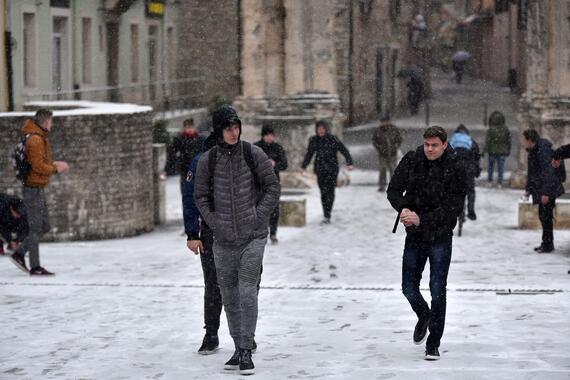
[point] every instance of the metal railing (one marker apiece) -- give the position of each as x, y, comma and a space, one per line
161, 95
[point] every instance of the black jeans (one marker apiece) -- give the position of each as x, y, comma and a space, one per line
274, 221
416, 254
212, 294
546, 214
327, 185
471, 195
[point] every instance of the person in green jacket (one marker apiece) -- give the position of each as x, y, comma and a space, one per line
497, 146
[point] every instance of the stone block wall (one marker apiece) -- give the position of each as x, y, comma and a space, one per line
108, 192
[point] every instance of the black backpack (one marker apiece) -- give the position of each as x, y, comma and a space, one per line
212, 160
19, 161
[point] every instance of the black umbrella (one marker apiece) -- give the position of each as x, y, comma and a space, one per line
410, 72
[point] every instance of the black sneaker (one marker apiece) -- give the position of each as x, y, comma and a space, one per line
20, 262
536, 249
246, 366
420, 332
326, 221
40, 271
209, 345
273, 239
233, 363
472, 216
432, 354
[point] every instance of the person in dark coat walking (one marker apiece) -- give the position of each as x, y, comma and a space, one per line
428, 190
544, 184
497, 146
236, 191
184, 147
201, 242
386, 140
278, 158
468, 150
415, 94
13, 223
326, 146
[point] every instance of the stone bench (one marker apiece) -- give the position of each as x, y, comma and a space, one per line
292, 208
528, 215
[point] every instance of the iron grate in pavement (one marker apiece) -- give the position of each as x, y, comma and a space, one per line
499, 291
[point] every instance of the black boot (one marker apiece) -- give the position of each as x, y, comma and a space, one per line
209, 345
246, 366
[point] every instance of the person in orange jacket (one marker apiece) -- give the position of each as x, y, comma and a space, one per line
41, 168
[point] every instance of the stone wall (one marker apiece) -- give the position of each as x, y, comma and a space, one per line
108, 192
209, 46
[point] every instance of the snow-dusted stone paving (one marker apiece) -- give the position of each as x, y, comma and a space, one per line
331, 305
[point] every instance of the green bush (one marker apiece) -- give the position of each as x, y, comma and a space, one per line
160, 133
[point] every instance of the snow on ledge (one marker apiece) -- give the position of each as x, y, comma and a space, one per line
80, 107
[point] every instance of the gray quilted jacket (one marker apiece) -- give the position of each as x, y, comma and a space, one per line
241, 209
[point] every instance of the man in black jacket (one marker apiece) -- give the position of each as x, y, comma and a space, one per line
326, 146
278, 158
544, 183
13, 223
184, 147
428, 189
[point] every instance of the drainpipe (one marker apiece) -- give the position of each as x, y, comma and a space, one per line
75, 36
350, 54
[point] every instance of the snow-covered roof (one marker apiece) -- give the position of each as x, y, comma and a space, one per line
81, 107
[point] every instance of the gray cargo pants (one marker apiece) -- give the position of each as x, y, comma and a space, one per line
238, 269
38, 221
387, 164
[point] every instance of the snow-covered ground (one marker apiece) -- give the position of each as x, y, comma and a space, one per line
330, 306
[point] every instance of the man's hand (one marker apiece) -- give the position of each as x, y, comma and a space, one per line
350, 167
14, 245
272, 162
195, 246
545, 199
556, 163
61, 166
303, 173
409, 218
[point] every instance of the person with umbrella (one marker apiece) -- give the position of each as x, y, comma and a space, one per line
459, 61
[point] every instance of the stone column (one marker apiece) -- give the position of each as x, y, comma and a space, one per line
545, 106
294, 49
253, 51
322, 48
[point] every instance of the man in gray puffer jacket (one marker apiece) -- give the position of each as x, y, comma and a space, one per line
236, 201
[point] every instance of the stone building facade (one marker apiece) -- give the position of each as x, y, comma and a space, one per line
108, 192
545, 106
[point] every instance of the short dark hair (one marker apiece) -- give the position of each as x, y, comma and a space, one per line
42, 115
532, 135
188, 122
462, 128
267, 129
436, 131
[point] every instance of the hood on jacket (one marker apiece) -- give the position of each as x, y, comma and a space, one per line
497, 118
209, 143
323, 123
221, 118
30, 127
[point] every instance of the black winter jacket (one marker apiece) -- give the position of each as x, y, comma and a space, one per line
275, 152
435, 190
10, 225
181, 152
542, 178
326, 149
